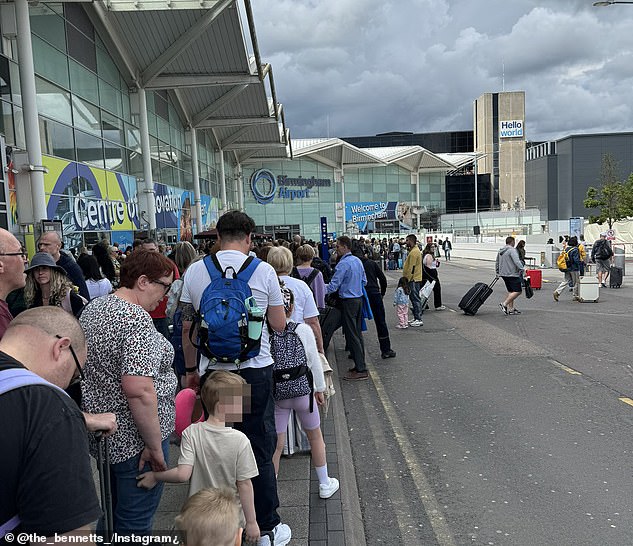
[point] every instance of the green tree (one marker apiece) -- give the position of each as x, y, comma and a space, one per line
613, 199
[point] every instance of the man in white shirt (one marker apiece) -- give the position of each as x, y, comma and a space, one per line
234, 234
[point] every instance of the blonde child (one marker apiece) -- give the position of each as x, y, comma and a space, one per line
401, 303
210, 518
214, 455
299, 381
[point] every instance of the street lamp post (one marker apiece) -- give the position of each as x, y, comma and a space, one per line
610, 2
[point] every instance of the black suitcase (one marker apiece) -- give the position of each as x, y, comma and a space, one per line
615, 277
330, 320
476, 297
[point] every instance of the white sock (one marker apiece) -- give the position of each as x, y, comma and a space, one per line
322, 474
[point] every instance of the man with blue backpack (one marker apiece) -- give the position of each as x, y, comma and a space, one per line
226, 301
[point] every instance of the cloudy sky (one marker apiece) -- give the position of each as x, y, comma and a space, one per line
361, 67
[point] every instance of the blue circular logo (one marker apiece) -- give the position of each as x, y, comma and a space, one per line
263, 186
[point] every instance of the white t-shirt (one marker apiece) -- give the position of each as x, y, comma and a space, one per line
98, 288
264, 286
305, 306
220, 456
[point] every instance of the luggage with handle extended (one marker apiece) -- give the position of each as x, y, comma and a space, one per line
615, 277
476, 297
536, 278
105, 488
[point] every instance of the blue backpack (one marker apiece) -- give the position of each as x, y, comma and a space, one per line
230, 323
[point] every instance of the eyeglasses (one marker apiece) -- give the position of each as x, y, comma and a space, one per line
22, 253
166, 286
81, 372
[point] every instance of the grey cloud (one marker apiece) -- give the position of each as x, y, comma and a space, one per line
370, 66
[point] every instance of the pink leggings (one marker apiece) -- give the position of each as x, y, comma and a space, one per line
301, 405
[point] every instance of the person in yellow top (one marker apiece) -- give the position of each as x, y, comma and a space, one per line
413, 272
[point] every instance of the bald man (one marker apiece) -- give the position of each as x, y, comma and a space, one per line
51, 243
47, 483
12, 277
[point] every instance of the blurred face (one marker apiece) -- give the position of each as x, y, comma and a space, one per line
155, 292
150, 246
12, 262
42, 275
341, 249
50, 244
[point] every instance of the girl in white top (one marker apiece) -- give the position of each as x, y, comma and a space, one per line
307, 413
95, 281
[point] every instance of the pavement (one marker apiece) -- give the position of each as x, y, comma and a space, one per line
314, 521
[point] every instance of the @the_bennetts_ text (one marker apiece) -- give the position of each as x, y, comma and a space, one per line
94, 538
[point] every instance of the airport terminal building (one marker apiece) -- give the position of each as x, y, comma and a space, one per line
112, 132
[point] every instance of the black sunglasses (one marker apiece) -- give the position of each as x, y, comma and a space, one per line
72, 352
166, 286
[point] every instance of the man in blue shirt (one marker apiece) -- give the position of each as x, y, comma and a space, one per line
349, 279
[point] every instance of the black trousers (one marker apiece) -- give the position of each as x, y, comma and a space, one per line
259, 426
378, 310
431, 275
352, 315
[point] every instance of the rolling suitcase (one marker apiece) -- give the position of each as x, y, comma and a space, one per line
588, 289
105, 488
615, 277
330, 320
536, 278
476, 297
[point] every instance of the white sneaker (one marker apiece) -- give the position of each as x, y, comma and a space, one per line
416, 323
282, 535
328, 489
440, 308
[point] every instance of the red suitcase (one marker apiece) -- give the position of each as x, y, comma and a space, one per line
536, 278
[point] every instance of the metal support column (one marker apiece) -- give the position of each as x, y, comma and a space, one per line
195, 170
240, 187
148, 193
341, 174
222, 182
29, 110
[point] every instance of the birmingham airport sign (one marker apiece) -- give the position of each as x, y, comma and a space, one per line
265, 186
511, 129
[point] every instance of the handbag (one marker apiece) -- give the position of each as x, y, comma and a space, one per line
529, 291
427, 289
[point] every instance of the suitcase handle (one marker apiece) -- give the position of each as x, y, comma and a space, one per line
494, 281
103, 466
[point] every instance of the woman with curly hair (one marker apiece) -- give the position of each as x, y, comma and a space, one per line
48, 284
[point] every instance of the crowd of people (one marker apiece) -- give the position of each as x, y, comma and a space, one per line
101, 358
126, 343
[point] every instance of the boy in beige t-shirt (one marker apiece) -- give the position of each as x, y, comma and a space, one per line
214, 455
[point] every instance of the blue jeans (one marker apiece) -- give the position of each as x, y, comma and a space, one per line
133, 508
414, 297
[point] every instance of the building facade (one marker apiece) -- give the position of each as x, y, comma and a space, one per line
358, 191
499, 120
558, 174
128, 145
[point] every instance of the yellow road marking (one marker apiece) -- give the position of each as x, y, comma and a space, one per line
425, 490
564, 368
626, 400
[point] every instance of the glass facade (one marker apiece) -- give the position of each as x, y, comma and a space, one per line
85, 111
377, 198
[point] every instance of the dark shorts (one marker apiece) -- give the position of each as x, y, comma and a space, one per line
513, 284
